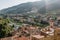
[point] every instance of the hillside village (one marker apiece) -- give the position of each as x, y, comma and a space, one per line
33, 32
38, 20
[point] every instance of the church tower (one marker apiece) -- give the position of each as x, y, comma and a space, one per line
51, 22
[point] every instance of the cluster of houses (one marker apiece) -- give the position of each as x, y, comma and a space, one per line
29, 32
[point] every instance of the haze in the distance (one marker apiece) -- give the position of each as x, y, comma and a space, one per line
10, 3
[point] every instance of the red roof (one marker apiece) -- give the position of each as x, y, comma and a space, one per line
21, 38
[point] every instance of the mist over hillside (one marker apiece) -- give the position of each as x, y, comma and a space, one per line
33, 7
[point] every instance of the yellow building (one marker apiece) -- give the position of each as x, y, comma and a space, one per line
57, 34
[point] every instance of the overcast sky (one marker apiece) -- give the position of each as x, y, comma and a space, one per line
9, 3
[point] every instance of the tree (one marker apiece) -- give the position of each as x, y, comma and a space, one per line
5, 29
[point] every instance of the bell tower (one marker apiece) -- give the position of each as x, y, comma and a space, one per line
51, 22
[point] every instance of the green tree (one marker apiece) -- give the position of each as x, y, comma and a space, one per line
5, 29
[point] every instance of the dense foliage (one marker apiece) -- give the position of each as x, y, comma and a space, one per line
5, 29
